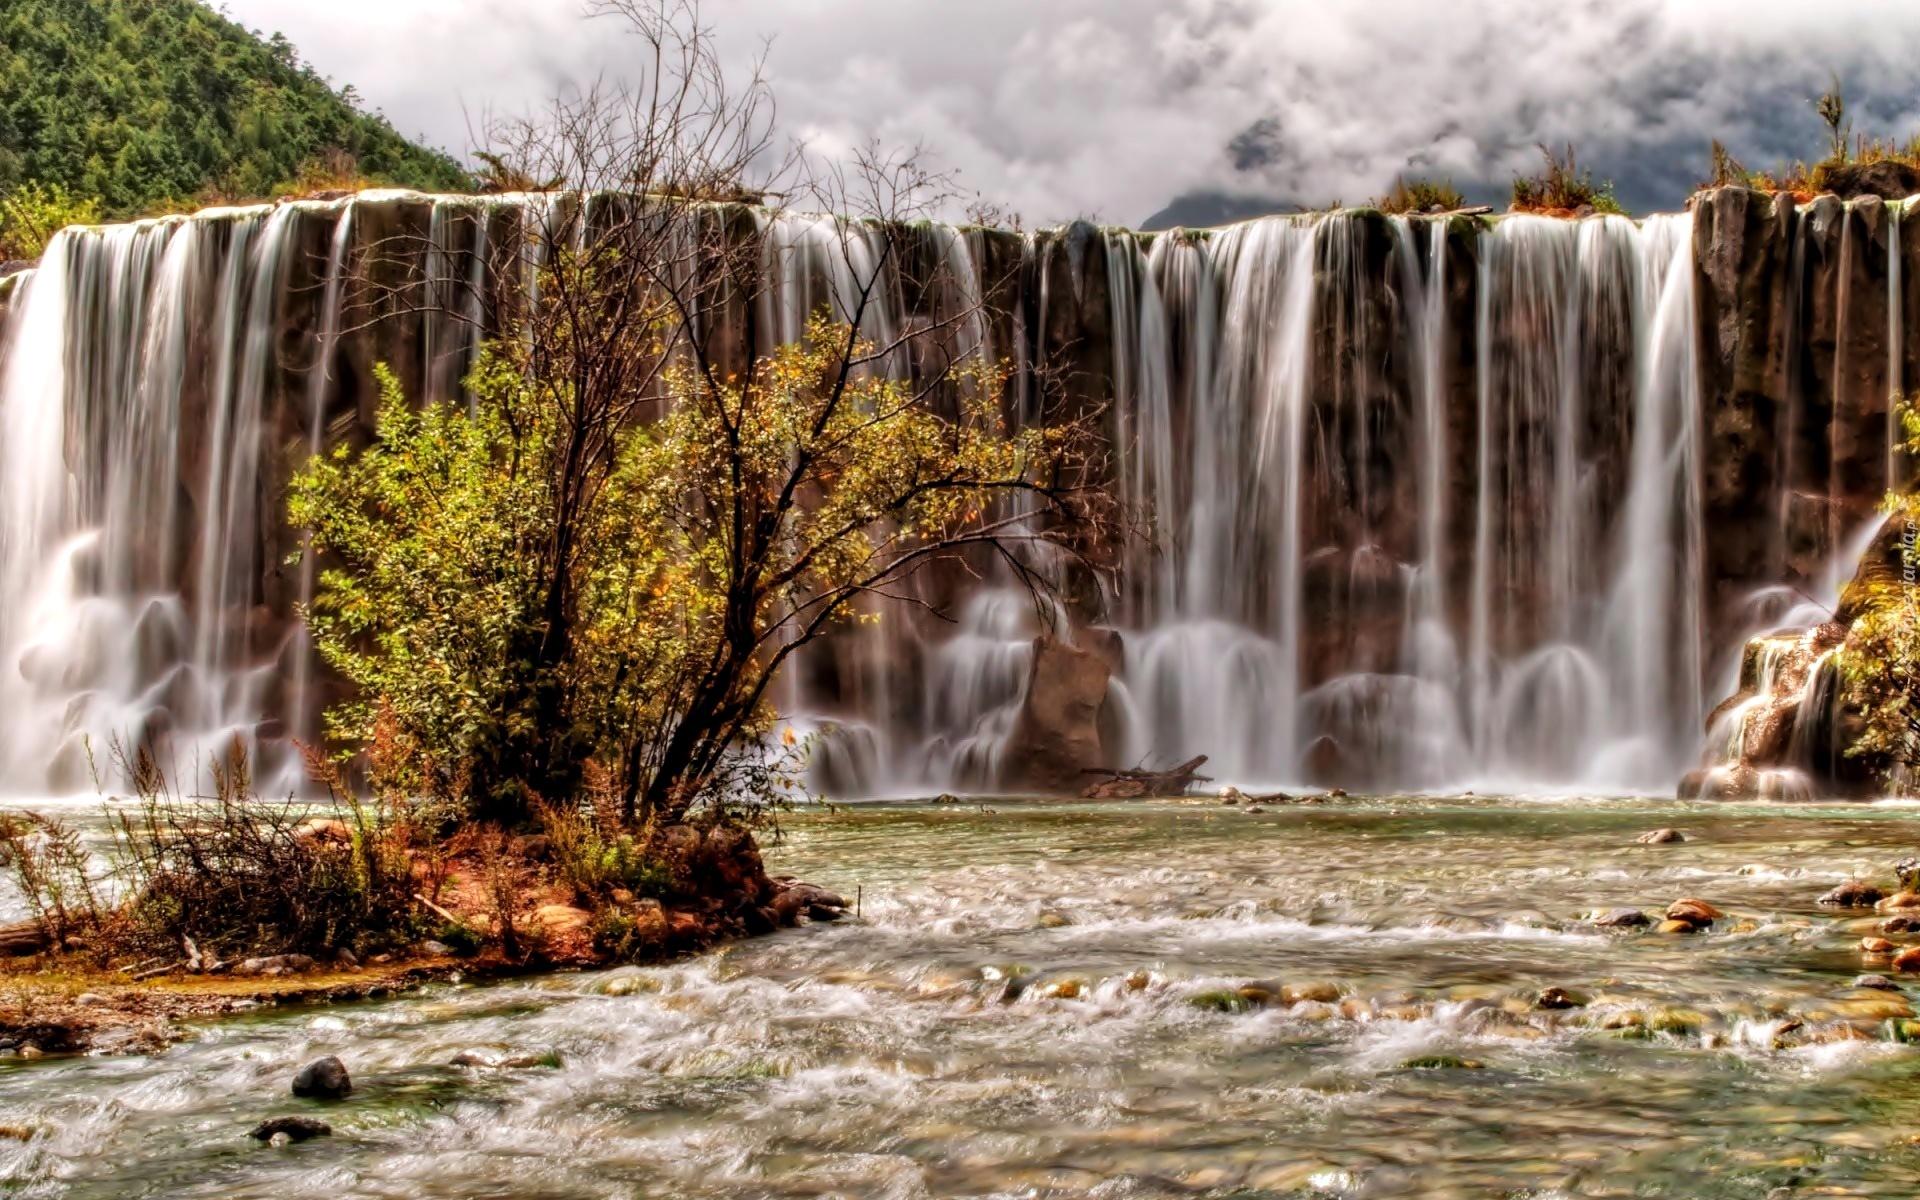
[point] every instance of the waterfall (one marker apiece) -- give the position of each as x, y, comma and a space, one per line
1421, 499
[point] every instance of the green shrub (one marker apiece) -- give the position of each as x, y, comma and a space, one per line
31, 214
1421, 195
1562, 188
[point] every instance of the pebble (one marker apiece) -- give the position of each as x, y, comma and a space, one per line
1876, 945
1660, 837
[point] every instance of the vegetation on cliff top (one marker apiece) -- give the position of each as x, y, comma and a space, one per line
143, 105
1853, 163
1562, 188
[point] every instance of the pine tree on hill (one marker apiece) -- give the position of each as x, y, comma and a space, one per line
149, 104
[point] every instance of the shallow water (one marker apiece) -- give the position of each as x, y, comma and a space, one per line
890, 1057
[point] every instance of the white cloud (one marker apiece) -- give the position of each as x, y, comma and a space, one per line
1113, 107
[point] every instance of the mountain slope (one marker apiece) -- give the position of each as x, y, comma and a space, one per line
143, 103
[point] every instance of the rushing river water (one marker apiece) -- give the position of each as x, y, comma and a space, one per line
1038, 1001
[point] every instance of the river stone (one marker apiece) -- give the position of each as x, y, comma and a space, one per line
1908, 960
562, 918
1661, 837
1853, 893
1876, 945
1675, 925
294, 1129
1693, 912
275, 964
1622, 918
1318, 990
1875, 981
1897, 901
1900, 925
1554, 998
323, 1079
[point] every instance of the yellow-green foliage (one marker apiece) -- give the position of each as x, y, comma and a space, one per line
1880, 662
754, 513
31, 214
434, 532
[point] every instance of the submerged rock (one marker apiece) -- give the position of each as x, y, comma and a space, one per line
1900, 925
1558, 998
323, 1079
293, 1129
1876, 945
1898, 901
1908, 960
1853, 893
1622, 918
1660, 837
1673, 925
1875, 981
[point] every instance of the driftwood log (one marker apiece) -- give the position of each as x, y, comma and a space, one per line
26, 937
1136, 783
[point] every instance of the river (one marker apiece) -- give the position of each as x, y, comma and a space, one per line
1040, 1000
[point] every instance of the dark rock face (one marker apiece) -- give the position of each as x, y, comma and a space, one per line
1888, 179
323, 1079
1057, 734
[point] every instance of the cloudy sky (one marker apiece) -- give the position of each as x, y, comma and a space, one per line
1116, 108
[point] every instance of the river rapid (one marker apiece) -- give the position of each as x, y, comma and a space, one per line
1073, 1000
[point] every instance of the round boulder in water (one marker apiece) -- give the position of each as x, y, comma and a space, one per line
1693, 912
323, 1079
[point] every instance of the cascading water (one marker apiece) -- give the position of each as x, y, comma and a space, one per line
1424, 493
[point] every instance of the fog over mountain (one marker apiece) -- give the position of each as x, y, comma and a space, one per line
1142, 111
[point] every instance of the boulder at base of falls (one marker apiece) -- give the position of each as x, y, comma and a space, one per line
1058, 734
323, 1079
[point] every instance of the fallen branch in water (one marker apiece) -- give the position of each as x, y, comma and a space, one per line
1137, 782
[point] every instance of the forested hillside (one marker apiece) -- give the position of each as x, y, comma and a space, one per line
144, 104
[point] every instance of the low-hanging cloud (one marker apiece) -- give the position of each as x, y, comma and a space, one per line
1113, 108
